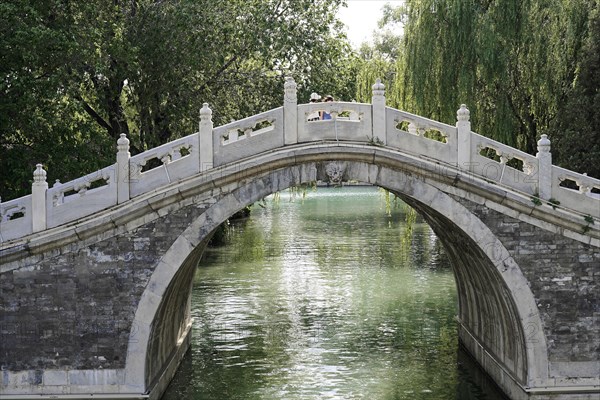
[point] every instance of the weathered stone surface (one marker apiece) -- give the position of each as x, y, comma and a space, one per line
74, 310
110, 313
563, 276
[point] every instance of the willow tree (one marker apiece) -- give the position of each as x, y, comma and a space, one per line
77, 74
511, 62
377, 60
576, 128
370, 70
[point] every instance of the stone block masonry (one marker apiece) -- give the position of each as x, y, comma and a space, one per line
74, 310
563, 275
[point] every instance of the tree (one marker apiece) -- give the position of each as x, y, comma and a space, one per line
39, 122
524, 68
75, 75
577, 125
378, 59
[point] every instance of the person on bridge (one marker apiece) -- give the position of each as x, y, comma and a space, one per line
326, 115
314, 116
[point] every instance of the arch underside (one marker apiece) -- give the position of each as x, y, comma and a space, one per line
486, 309
490, 317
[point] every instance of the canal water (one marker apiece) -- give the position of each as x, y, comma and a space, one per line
339, 294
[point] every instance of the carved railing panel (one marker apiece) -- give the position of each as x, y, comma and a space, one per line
15, 218
349, 121
502, 164
66, 202
164, 164
576, 191
248, 137
421, 136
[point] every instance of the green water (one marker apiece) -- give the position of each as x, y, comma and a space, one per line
332, 296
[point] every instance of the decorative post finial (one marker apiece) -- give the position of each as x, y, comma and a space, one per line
123, 143
378, 88
463, 113
39, 175
543, 145
205, 113
289, 88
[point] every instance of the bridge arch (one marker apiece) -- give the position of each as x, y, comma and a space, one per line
118, 223
499, 320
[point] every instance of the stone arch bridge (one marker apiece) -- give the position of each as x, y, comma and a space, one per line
96, 273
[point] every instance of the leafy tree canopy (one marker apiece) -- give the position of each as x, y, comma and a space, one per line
76, 74
524, 68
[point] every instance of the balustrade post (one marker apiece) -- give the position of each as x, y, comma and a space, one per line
205, 138
123, 174
290, 112
544, 168
463, 128
39, 189
378, 102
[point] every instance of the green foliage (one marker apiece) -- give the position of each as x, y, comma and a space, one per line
524, 68
507, 60
77, 74
535, 199
300, 190
589, 221
220, 236
374, 141
387, 199
576, 143
554, 203
410, 218
369, 71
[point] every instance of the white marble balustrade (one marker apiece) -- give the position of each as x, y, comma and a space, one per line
81, 197
454, 146
247, 137
174, 161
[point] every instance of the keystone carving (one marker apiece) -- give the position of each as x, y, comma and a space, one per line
335, 172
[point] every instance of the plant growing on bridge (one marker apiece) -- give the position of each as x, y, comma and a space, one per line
535, 199
553, 202
590, 221
374, 141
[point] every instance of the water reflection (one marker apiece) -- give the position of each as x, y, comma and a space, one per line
326, 298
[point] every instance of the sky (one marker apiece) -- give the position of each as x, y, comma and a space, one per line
361, 18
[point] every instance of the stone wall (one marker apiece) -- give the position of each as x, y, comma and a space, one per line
74, 310
564, 277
